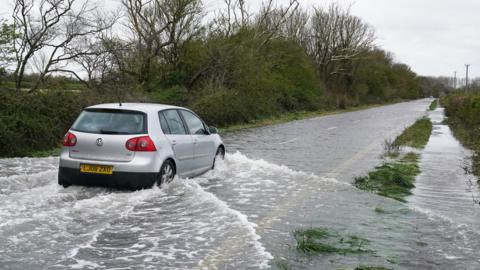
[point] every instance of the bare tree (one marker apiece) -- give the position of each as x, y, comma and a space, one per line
159, 28
97, 64
337, 40
52, 27
296, 27
267, 23
336, 36
232, 18
274, 20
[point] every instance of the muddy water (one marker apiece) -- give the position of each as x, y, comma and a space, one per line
240, 216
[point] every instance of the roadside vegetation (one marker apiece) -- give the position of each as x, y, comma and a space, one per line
391, 179
463, 112
433, 106
322, 240
416, 135
318, 241
395, 177
241, 67
34, 124
372, 268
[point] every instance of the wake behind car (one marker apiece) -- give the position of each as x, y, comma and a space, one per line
136, 145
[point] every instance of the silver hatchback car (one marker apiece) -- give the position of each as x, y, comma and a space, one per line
135, 145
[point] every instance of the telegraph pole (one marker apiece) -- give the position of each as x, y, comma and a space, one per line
466, 75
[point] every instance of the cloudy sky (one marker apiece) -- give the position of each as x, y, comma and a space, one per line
434, 37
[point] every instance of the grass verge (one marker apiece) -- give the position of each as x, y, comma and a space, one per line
46, 153
416, 135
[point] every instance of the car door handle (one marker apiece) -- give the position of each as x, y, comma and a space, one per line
174, 142
195, 141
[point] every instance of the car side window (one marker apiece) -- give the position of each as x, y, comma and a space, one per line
194, 124
174, 122
163, 123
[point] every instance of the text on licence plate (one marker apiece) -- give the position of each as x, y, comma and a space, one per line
91, 168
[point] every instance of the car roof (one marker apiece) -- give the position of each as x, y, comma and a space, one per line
142, 107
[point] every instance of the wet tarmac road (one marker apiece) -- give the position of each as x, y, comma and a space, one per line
275, 179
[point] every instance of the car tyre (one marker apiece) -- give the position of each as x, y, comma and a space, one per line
63, 183
167, 173
220, 155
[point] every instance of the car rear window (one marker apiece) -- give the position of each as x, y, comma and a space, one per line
111, 122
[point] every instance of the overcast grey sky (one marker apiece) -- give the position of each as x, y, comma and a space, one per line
434, 37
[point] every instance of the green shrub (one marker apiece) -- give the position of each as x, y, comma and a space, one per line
176, 95
463, 111
252, 82
37, 122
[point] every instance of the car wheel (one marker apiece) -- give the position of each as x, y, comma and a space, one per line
63, 183
220, 155
167, 173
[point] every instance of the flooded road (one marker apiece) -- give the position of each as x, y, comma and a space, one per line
274, 180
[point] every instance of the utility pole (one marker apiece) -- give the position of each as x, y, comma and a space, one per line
455, 80
466, 76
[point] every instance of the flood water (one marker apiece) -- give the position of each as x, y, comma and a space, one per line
274, 180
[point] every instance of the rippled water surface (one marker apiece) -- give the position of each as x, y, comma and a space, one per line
275, 179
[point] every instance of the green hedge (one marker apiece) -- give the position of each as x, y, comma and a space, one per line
37, 122
463, 111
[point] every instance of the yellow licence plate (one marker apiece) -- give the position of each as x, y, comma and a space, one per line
91, 168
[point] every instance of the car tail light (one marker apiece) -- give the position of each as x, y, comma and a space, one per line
144, 144
69, 140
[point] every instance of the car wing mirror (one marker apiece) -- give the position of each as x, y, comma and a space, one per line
212, 130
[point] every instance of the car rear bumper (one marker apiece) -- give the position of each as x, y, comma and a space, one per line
144, 162
117, 180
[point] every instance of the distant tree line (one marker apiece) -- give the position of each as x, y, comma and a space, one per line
232, 66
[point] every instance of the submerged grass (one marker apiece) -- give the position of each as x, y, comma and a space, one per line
372, 268
416, 135
282, 265
395, 179
391, 179
410, 157
433, 105
391, 149
321, 240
